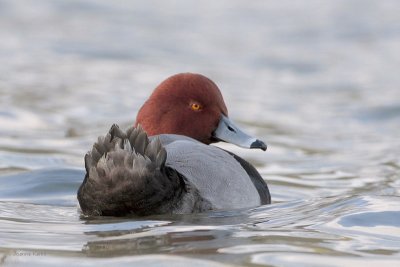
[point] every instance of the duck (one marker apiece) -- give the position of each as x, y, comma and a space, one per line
165, 162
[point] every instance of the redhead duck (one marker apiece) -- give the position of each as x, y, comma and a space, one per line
165, 163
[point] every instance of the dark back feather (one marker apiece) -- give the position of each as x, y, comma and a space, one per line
126, 174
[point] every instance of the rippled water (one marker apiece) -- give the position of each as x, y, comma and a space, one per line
317, 80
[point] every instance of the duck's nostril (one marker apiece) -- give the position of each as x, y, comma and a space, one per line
231, 129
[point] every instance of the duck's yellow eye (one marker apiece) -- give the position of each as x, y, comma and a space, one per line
196, 107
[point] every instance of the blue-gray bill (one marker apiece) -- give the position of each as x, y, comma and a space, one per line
228, 132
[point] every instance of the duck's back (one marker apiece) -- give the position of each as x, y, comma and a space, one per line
217, 175
126, 173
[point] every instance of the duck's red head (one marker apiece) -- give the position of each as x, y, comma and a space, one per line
186, 104
191, 105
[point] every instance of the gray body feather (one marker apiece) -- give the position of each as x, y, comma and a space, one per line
217, 175
128, 173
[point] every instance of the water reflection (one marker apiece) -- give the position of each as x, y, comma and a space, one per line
317, 82
372, 219
197, 241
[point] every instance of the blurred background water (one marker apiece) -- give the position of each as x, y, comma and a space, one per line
317, 80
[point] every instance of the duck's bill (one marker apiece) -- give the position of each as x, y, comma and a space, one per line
227, 131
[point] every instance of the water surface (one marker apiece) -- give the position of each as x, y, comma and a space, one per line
317, 80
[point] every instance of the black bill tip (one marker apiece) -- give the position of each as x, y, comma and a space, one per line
259, 144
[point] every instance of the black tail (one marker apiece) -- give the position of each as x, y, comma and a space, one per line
126, 174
